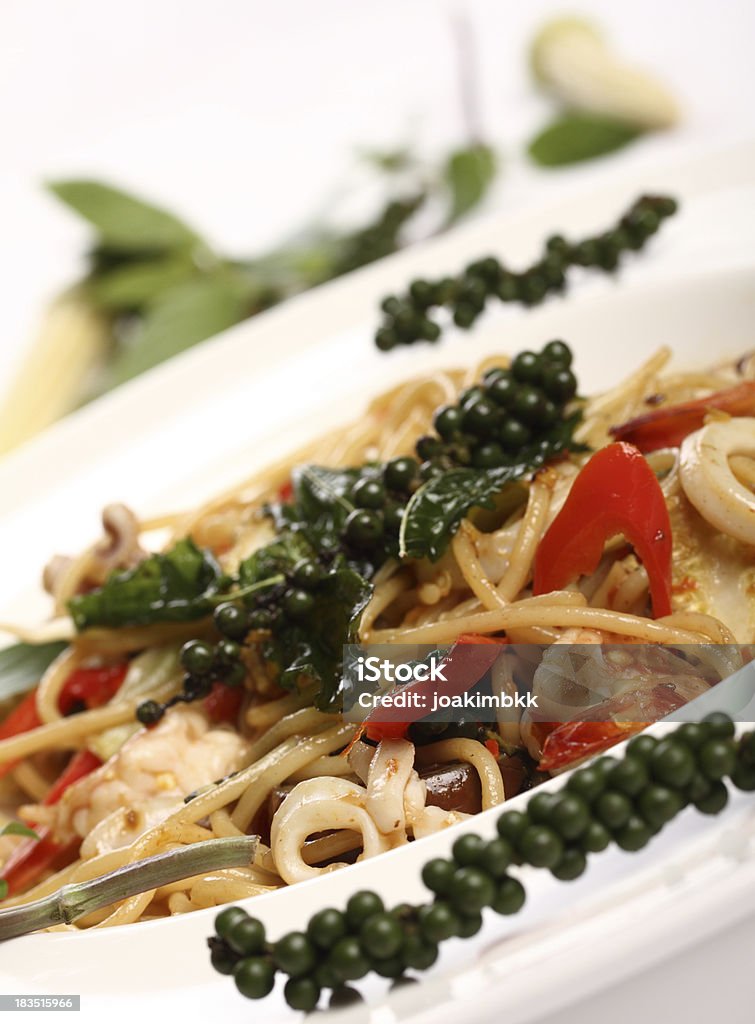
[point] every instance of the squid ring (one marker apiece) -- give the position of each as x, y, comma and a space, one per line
709, 482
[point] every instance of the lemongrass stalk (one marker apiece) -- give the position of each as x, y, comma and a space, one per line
80, 898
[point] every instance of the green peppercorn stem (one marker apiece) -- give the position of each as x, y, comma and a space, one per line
408, 318
624, 800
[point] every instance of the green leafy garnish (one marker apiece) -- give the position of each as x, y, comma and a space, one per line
469, 174
574, 137
311, 648
122, 220
17, 828
180, 317
436, 510
177, 586
23, 665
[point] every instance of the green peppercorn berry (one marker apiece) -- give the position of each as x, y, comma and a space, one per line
428, 330
509, 897
672, 763
497, 856
540, 846
658, 804
197, 657
307, 573
149, 712
719, 725
400, 473
587, 783
714, 801
227, 652
527, 406
468, 849
448, 421
227, 918
254, 977
572, 864
511, 826
508, 287
469, 925
386, 339
717, 759
585, 254
381, 936
488, 456
223, 960
465, 315
613, 809
540, 807
501, 389
232, 620
692, 734
302, 994
437, 874
527, 368
633, 834
429, 447
493, 374
746, 752
472, 890
481, 418
559, 384
368, 493
438, 921
294, 954
418, 953
363, 528
246, 936
261, 618
389, 967
532, 288
347, 959
393, 516
326, 927
422, 293
557, 353
391, 305
743, 776
513, 435
326, 977
628, 776
697, 788
361, 906
595, 838
642, 746
569, 815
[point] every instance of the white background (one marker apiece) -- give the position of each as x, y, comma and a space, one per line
245, 115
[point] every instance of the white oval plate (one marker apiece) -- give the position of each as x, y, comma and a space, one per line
215, 414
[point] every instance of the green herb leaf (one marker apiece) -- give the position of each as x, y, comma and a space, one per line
311, 649
436, 510
177, 586
23, 665
468, 174
574, 137
182, 317
17, 828
130, 286
124, 222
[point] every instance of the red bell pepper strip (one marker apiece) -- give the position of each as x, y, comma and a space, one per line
32, 857
90, 687
572, 741
616, 492
465, 664
223, 702
667, 427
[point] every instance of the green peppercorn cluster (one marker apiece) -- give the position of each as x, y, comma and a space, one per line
379, 239
623, 800
410, 318
206, 663
514, 414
